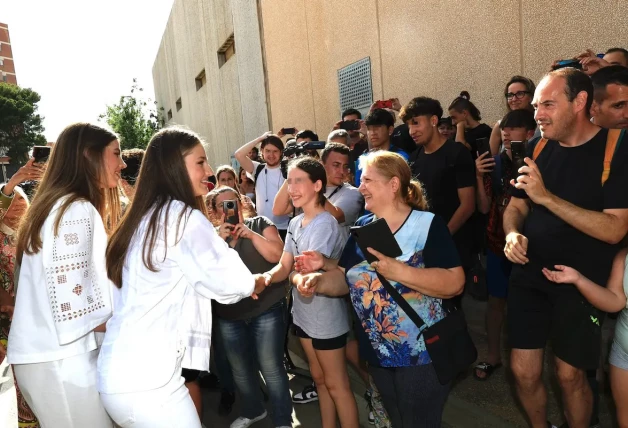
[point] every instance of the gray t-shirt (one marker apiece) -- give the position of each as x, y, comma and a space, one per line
321, 317
249, 308
350, 201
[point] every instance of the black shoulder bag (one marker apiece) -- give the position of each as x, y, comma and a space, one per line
448, 341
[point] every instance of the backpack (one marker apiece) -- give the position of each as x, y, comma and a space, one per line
258, 171
613, 140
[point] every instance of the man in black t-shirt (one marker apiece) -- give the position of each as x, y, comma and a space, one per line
562, 214
446, 170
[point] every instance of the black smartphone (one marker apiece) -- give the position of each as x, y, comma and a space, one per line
230, 208
518, 149
288, 131
376, 235
41, 154
483, 146
350, 125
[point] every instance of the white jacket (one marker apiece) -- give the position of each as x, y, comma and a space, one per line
63, 291
147, 335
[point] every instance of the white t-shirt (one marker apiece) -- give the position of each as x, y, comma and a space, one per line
269, 182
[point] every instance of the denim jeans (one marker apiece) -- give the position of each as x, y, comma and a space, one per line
221, 363
257, 344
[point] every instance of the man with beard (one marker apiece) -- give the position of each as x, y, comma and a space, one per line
268, 177
567, 211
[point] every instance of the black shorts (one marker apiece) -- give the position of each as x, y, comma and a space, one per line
190, 375
560, 314
323, 344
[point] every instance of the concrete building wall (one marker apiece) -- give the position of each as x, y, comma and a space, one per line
288, 53
422, 47
230, 108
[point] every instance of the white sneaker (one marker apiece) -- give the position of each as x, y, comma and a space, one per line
242, 422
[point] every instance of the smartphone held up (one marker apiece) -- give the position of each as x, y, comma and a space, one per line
518, 149
230, 209
41, 154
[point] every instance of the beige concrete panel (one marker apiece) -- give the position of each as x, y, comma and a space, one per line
560, 29
223, 19
232, 110
438, 49
340, 33
288, 63
250, 70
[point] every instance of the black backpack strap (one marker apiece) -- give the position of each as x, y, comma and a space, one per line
258, 171
403, 303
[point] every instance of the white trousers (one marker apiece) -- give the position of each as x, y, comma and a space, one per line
167, 407
63, 393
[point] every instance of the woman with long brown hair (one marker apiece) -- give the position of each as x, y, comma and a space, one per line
164, 249
63, 293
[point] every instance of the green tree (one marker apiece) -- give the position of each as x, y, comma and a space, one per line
20, 125
132, 119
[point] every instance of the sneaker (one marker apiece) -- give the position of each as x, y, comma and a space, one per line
308, 395
242, 422
226, 403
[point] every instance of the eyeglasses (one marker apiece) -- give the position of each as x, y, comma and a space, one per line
518, 95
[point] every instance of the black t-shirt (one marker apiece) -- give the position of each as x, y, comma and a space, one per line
442, 173
249, 308
573, 174
401, 138
472, 136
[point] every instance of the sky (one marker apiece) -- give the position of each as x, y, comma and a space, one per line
81, 55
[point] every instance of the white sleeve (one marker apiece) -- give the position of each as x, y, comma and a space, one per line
209, 265
76, 278
252, 175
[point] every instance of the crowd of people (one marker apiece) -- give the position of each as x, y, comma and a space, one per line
128, 270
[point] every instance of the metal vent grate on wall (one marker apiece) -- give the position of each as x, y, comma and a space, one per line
355, 85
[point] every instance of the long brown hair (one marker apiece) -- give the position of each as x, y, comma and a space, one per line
163, 179
390, 165
75, 170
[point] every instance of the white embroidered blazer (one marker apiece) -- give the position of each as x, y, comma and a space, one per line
63, 292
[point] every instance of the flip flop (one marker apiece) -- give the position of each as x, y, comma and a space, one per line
486, 368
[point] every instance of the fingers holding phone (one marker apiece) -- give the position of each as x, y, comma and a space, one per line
484, 164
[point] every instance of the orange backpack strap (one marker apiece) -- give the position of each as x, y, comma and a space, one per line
612, 142
538, 148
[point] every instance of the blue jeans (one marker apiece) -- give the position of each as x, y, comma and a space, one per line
257, 344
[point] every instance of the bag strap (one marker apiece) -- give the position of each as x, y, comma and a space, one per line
613, 140
538, 147
403, 303
259, 170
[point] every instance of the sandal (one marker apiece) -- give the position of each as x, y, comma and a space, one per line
485, 368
